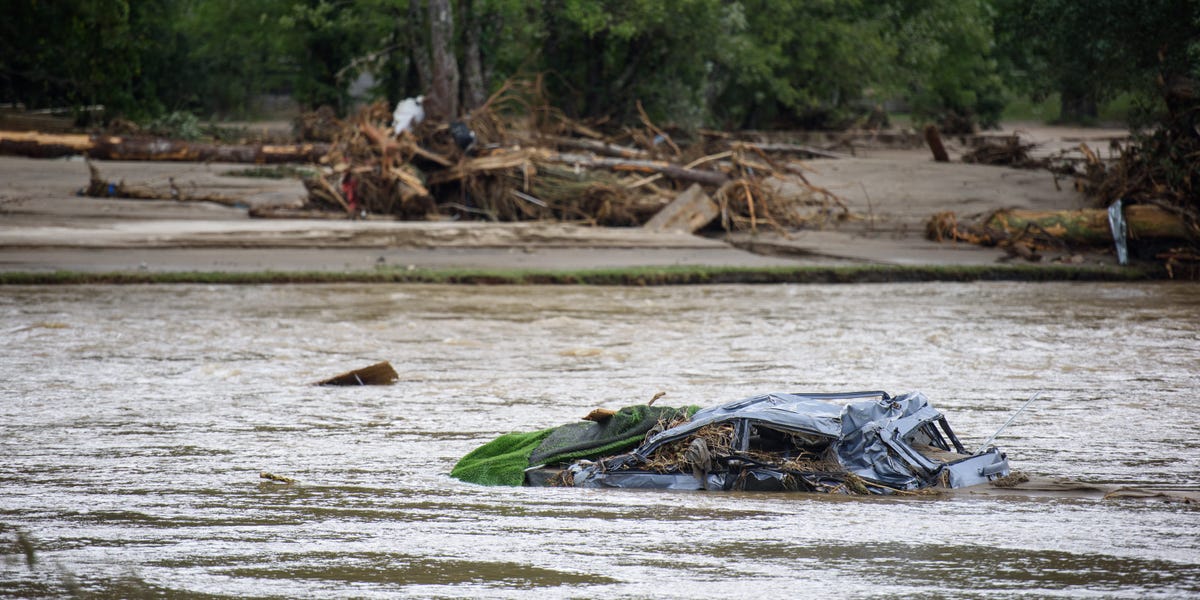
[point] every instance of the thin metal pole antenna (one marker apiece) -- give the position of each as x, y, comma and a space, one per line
990, 439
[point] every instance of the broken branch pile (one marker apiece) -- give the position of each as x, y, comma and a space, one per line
1006, 151
805, 467
516, 159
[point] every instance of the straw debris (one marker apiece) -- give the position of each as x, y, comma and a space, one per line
806, 464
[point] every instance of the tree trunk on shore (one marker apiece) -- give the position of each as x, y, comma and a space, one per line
1089, 226
442, 103
108, 147
475, 86
418, 38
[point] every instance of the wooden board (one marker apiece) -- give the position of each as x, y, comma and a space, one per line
690, 211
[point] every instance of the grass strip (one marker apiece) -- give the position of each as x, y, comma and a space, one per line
630, 276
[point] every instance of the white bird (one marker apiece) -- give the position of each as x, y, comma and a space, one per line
409, 112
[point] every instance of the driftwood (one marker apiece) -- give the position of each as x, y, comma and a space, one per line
380, 373
595, 146
1007, 151
523, 159
98, 187
797, 149
1090, 226
1086, 227
668, 169
276, 478
690, 211
516, 159
109, 147
504, 167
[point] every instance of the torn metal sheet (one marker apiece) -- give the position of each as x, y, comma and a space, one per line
860, 442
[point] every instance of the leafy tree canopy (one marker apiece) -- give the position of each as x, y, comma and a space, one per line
730, 63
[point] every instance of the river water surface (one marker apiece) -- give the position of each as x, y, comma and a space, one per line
134, 422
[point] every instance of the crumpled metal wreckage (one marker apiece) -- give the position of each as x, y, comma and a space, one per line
858, 442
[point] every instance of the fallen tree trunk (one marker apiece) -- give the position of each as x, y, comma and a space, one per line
493, 162
806, 151
108, 147
667, 169
597, 147
1090, 226
98, 187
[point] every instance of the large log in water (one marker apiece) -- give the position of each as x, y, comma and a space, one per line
109, 147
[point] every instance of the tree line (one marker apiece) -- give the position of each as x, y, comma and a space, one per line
695, 63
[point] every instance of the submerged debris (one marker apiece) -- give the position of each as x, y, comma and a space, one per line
805, 467
276, 478
1011, 480
851, 443
380, 373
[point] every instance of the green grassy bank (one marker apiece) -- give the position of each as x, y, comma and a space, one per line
638, 276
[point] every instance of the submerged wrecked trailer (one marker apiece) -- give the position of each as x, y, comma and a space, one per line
844, 443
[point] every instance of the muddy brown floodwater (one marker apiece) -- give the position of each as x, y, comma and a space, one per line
134, 422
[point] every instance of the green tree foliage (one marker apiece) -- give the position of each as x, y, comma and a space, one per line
605, 55
78, 52
234, 51
797, 63
321, 39
944, 60
731, 63
1091, 51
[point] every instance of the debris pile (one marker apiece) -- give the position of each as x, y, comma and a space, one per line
517, 159
1159, 171
320, 125
1155, 178
995, 229
1007, 151
803, 463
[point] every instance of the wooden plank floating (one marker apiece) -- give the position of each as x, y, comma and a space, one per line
380, 373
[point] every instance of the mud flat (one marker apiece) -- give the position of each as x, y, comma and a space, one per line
46, 228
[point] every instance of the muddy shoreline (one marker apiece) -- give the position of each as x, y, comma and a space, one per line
630, 276
50, 234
